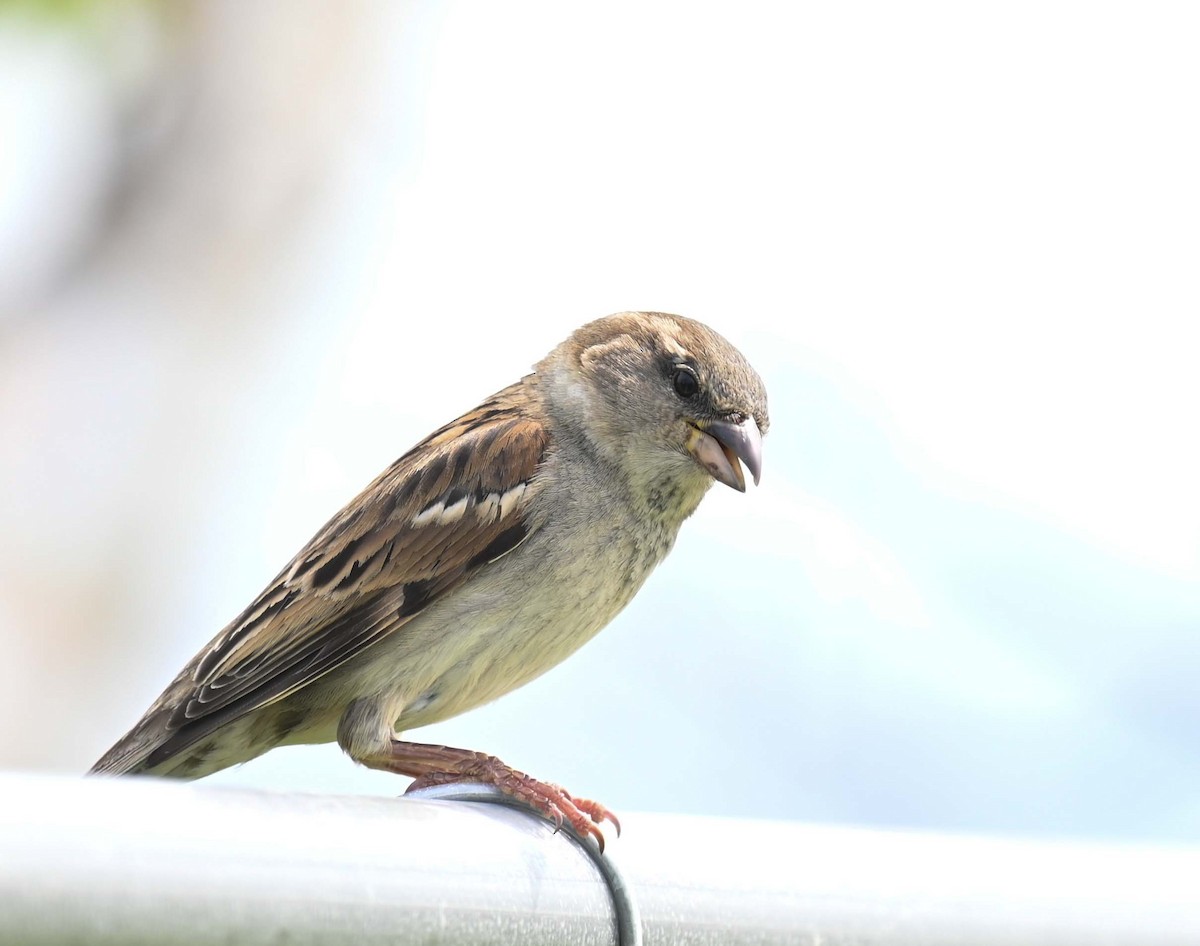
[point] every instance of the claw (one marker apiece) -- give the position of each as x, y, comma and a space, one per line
554, 803
597, 812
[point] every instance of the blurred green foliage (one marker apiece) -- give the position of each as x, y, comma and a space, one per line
65, 11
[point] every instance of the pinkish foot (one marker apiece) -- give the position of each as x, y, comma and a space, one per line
550, 800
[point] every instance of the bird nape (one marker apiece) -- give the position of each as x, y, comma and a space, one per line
486, 554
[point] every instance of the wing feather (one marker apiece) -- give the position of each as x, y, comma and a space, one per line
454, 503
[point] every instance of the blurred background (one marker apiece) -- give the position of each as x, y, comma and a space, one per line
250, 253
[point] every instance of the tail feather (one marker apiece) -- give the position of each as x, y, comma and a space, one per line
129, 755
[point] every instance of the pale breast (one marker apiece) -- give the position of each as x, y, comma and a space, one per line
521, 615
519, 619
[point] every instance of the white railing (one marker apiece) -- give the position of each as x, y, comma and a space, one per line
140, 861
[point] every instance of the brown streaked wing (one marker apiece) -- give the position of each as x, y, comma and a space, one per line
452, 504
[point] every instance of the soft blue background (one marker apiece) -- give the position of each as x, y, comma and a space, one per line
959, 242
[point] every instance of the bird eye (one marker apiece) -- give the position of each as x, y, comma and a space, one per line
684, 379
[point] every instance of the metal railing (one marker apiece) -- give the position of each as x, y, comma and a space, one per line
140, 861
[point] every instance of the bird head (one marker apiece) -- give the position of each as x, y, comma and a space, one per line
665, 398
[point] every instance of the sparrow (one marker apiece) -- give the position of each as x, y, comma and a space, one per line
485, 555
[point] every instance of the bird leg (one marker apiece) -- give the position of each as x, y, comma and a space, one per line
433, 765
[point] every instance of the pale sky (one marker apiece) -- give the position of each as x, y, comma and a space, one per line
960, 244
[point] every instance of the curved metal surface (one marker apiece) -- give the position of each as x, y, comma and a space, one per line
707, 882
625, 909
140, 860
135, 861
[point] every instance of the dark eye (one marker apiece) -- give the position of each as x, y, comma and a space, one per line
684, 379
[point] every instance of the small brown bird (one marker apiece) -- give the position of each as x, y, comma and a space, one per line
485, 555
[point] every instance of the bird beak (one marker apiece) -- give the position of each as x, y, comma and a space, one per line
718, 446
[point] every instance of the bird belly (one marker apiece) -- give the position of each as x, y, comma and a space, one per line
498, 640
506, 625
